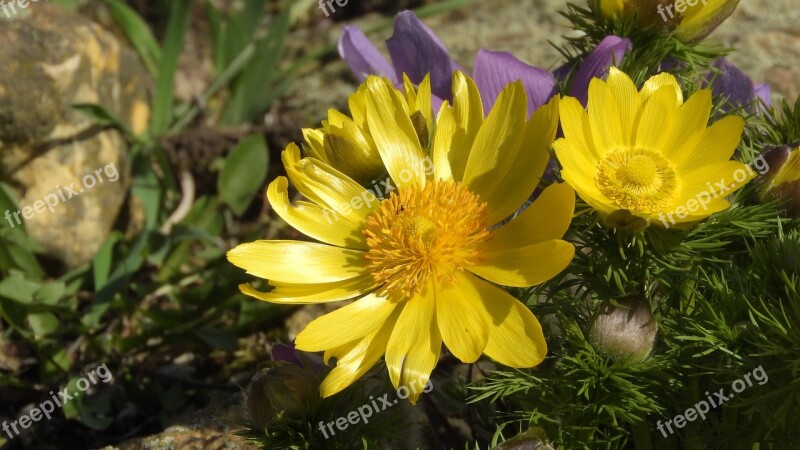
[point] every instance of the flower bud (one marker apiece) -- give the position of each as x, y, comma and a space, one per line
533, 439
782, 178
280, 389
690, 20
625, 330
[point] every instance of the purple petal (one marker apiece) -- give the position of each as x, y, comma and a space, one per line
728, 81
436, 102
416, 51
288, 353
562, 72
493, 71
764, 92
609, 52
363, 58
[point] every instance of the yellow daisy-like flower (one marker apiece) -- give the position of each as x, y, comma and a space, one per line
422, 261
648, 153
346, 143
690, 20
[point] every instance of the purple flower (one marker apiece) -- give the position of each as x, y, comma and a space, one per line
730, 82
493, 71
609, 52
416, 51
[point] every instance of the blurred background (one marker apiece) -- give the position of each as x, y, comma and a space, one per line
192, 101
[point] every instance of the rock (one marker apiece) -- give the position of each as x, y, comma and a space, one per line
213, 428
51, 60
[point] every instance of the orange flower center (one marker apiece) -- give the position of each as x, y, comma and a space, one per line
420, 233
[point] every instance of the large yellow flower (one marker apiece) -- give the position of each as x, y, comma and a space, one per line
422, 261
690, 20
647, 153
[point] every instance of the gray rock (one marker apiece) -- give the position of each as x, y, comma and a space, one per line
51, 60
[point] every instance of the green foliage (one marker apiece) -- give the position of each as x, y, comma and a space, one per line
168, 65
138, 33
244, 173
260, 82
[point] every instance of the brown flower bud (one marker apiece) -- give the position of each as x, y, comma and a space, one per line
533, 439
280, 389
625, 330
782, 179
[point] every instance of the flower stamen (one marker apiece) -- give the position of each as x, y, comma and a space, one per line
420, 233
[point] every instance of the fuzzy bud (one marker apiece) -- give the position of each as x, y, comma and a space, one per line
533, 439
782, 179
625, 330
280, 389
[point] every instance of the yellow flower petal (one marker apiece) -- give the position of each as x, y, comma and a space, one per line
325, 185
525, 172
424, 103
525, 266
628, 101
414, 347
297, 262
301, 294
575, 124
394, 134
547, 218
497, 142
611, 7
656, 119
468, 111
690, 126
604, 116
315, 221
718, 143
315, 146
515, 336
719, 179
656, 82
345, 325
700, 19
355, 359
443, 149
461, 318
357, 103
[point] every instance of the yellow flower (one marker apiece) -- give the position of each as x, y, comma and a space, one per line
647, 153
691, 20
346, 144
422, 261
781, 179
